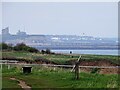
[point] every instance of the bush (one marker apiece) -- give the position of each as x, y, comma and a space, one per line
30, 49
95, 70
43, 51
48, 51
18, 47
4, 46
24, 47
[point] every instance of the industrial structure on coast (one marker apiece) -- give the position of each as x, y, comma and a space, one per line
59, 41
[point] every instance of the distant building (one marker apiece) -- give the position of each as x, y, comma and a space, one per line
19, 33
5, 34
5, 31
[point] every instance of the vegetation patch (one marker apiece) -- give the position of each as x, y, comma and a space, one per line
44, 77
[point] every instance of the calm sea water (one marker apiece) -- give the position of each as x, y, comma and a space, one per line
97, 52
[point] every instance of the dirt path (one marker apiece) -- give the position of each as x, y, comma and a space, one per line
22, 84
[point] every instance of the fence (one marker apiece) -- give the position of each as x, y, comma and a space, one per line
12, 62
64, 66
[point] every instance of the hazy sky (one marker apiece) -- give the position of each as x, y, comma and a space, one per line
74, 18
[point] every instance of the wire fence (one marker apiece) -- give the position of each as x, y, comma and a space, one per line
64, 66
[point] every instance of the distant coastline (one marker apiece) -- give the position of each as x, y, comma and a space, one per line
76, 48
86, 51
59, 41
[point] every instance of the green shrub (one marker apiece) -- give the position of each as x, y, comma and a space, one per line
4, 46
43, 51
18, 47
48, 51
24, 47
95, 70
31, 49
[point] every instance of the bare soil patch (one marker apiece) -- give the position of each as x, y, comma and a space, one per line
22, 84
101, 63
104, 63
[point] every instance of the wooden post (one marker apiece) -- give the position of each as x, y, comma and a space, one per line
8, 66
54, 69
77, 71
76, 68
1, 66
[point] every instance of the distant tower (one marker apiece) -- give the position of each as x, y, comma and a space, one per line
5, 34
5, 31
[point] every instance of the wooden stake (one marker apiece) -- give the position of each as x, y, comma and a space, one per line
76, 68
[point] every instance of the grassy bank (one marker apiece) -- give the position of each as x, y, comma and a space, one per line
43, 77
56, 58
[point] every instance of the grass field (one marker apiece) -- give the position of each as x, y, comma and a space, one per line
57, 58
43, 77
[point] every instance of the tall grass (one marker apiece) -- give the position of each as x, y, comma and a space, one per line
46, 77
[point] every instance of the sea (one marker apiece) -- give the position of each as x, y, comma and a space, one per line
95, 52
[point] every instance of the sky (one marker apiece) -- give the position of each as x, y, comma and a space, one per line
99, 19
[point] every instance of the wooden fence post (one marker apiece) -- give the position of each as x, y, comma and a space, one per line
1, 66
8, 66
76, 68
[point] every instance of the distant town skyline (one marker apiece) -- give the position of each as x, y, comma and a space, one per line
97, 19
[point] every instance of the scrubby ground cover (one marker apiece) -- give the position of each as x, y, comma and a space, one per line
46, 77
56, 58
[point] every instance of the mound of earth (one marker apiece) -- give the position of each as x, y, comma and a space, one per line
42, 60
35, 61
102, 63
97, 63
